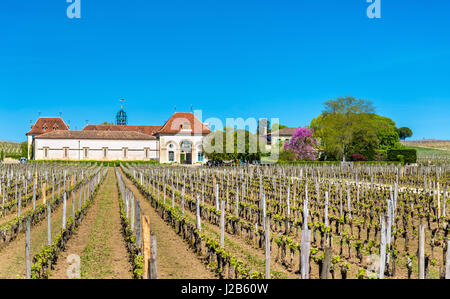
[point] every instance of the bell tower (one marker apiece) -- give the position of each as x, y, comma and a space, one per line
121, 116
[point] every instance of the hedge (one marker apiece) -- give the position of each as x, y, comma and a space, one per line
409, 155
115, 163
335, 162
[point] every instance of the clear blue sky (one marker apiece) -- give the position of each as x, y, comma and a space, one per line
230, 58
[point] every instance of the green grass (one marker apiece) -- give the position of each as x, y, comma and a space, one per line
426, 153
430, 151
97, 255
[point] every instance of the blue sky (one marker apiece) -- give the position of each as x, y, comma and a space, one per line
233, 58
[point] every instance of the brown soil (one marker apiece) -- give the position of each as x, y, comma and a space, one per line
244, 250
175, 259
12, 257
111, 260
25, 208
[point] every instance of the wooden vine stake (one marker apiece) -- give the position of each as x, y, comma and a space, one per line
421, 252
132, 212
27, 248
182, 204
153, 261
438, 201
222, 224
44, 195
217, 197
49, 223
198, 219
138, 223
19, 204
173, 196
444, 204
34, 195
73, 205
383, 242
304, 254
267, 247
146, 243
447, 263
326, 263
236, 211
64, 211
263, 202
80, 194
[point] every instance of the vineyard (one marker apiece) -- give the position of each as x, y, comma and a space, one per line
10, 148
431, 151
279, 222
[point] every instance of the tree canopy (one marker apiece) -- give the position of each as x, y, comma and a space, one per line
302, 144
404, 132
350, 126
231, 144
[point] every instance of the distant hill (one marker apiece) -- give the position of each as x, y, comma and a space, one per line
430, 149
429, 143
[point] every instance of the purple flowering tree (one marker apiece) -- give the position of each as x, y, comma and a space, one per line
303, 144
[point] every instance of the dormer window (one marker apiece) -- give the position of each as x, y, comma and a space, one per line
185, 126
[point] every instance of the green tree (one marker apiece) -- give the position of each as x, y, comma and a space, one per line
341, 123
107, 123
2, 155
23, 149
350, 126
232, 144
404, 132
387, 132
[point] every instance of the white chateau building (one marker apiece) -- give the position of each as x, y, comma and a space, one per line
179, 140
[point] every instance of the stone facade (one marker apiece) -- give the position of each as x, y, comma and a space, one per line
179, 140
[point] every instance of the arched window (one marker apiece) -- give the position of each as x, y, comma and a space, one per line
186, 146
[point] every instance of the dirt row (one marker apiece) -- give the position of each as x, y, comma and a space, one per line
12, 257
175, 258
242, 248
98, 241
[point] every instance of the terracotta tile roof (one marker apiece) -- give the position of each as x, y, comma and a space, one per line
183, 122
149, 130
113, 135
47, 124
285, 132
